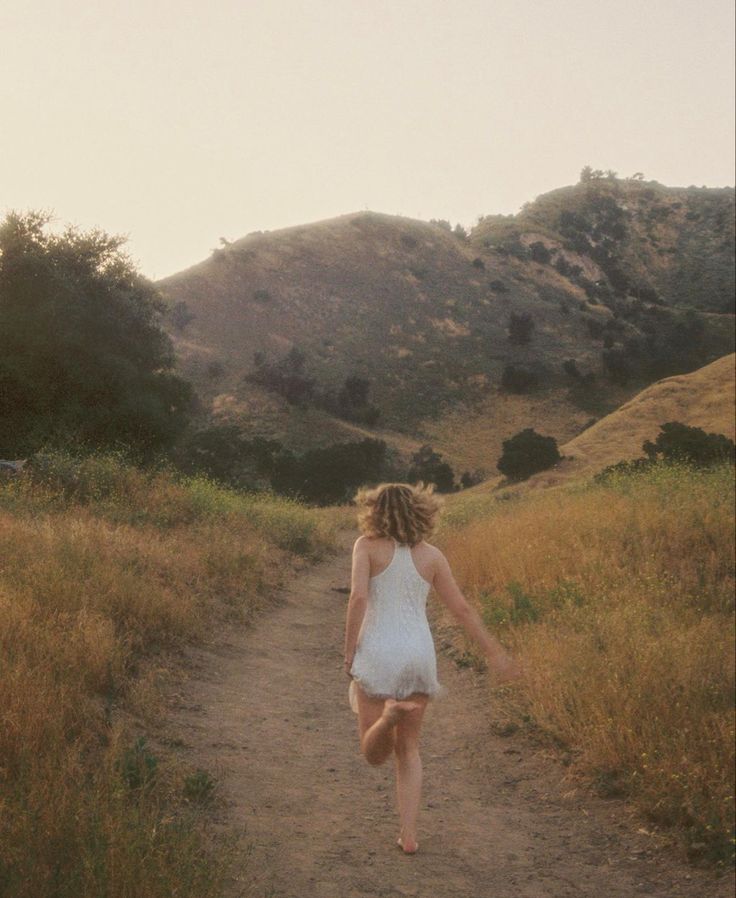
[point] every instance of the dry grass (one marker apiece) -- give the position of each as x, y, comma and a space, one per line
101, 567
619, 600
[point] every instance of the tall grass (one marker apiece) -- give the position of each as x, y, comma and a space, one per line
101, 565
619, 599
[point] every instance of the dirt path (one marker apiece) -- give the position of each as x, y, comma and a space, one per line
266, 712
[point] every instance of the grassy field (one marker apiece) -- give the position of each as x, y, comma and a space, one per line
619, 599
103, 566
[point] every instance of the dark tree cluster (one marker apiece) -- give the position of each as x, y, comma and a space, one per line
352, 402
519, 379
526, 453
289, 378
430, 466
331, 474
676, 442
84, 359
521, 327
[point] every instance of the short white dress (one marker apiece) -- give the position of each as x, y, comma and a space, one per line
395, 653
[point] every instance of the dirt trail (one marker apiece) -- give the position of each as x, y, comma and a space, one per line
266, 711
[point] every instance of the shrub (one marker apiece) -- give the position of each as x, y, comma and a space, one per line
519, 379
617, 364
539, 253
526, 453
521, 327
429, 466
570, 367
286, 376
181, 315
678, 441
471, 478
331, 474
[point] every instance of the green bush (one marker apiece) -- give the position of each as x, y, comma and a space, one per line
526, 453
678, 441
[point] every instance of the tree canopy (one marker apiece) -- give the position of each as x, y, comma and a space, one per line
83, 357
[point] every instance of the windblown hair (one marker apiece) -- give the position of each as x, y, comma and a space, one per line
406, 513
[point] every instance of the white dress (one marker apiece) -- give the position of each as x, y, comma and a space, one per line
395, 654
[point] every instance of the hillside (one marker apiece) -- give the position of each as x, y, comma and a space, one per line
423, 314
632, 238
703, 398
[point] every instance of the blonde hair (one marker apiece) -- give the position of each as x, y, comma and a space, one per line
399, 510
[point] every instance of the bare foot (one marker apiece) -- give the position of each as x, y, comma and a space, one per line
408, 845
394, 710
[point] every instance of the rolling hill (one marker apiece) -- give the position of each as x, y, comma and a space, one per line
423, 314
703, 398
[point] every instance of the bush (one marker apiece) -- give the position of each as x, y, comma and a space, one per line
329, 475
286, 376
181, 316
429, 466
472, 478
570, 367
617, 364
526, 453
519, 379
678, 441
521, 327
539, 253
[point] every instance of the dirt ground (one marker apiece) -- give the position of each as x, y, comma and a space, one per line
265, 711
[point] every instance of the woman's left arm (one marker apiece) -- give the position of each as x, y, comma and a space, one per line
358, 599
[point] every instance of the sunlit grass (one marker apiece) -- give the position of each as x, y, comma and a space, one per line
619, 599
102, 565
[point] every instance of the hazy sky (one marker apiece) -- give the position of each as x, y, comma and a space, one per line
178, 123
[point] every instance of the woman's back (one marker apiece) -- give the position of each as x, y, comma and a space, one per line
395, 655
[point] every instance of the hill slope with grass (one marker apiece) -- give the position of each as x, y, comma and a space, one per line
108, 571
618, 597
423, 314
703, 398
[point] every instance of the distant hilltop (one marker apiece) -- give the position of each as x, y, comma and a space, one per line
548, 317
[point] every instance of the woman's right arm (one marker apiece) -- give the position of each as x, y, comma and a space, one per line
501, 663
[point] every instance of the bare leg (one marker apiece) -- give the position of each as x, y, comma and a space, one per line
377, 743
409, 773
377, 719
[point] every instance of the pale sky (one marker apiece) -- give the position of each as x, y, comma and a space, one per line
177, 123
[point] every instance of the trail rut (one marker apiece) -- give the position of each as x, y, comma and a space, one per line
266, 711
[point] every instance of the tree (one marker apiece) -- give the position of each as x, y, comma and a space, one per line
287, 376
181, 315
539, 253
519, 379
352, 402
691, 444
83, 356
521, 327
330, 474
526, 453
429, 466
570, 367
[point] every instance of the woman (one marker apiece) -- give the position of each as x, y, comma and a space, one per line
389, 651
